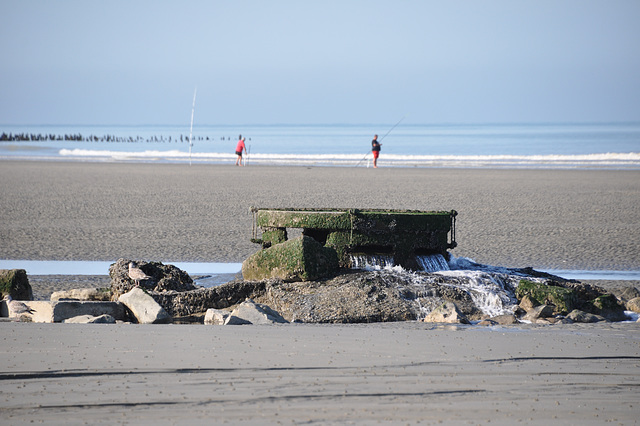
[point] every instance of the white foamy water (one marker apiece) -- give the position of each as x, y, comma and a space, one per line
370, 262
592, 145
607, 160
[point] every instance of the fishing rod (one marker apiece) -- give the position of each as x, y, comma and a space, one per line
193, 107
385, 135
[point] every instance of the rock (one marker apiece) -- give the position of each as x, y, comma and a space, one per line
180, 304
448, 312
165, 278
86, 294
59, 311
545, 294
144, 308
584, 317
487, 323
504, 319
633, 305
299, 259
215, 316
527, 303
89, 319
608, 307
539, 312
349, 298
14, 282
625, 294
254, 313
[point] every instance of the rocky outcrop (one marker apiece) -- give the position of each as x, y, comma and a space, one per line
164, 278
182, 304
15, 283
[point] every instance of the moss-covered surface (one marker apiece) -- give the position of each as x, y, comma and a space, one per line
273, 236
15, 282
300, 259
404, 232
563, 299
607, 306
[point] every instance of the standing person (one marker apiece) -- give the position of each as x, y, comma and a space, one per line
239, 148
375, 150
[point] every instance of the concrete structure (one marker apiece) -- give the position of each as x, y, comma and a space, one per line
403, 234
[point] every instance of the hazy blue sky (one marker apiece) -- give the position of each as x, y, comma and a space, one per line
262, 62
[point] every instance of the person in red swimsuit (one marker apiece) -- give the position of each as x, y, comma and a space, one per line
375, 150
239, 148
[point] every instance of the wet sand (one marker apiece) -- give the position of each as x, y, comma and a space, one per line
560, 219
391, 373
302, 373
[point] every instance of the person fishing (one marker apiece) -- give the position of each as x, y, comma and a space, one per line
239, 148
375, 150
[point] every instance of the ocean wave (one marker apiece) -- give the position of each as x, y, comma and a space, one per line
629, 160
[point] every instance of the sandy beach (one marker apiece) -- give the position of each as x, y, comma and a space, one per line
392, 373
389, 373
560, 219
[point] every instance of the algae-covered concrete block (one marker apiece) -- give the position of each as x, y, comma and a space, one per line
300, 259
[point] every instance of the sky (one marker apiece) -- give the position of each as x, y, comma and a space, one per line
138, 62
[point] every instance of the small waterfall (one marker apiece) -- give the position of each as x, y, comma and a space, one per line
492, 293
371, 261
432, 262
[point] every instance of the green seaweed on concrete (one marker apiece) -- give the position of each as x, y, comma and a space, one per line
300, 259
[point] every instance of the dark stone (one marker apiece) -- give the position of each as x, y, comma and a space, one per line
14, 282
165, 278
607, 306
188, 303
584, 317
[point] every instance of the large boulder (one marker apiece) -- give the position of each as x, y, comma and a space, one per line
164, 278
14, 283
144, 308
299, 259
250, 312
608, 307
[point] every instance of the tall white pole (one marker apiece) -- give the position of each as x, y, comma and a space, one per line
193, 107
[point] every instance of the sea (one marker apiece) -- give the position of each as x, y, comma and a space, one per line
613, 146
